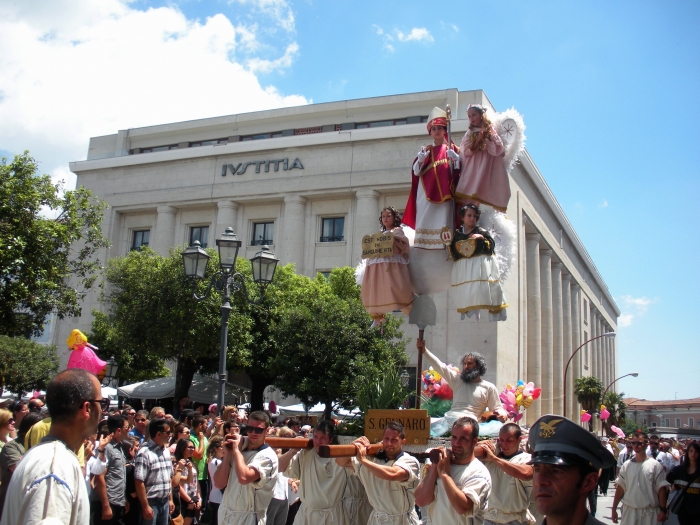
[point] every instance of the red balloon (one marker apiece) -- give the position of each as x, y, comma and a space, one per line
536, 393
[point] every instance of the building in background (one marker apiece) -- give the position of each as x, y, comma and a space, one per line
673, 418
310, 181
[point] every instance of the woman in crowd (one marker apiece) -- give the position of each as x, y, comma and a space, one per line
215, 453
12, 454
7, 426
686, 477
19, 410
190, 502
130, 447
180, 431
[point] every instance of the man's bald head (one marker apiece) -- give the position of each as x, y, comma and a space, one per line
68, 391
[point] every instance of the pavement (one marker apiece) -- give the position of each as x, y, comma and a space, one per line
605, 509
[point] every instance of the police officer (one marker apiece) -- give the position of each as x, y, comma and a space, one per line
566, 459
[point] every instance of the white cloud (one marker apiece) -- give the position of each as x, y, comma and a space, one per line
417, 33
603, 204
73, 69
279, 10
638, 305
625, 320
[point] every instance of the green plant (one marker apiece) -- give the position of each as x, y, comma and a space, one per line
388, 392
588, 391
616, 405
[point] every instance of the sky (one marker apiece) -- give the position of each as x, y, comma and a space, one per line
607, 91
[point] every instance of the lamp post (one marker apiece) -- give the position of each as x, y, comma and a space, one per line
566, 369
226, 280
112, 367
633, 374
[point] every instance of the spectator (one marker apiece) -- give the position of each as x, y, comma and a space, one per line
279, 504
108, 500
157, 413
130, 414
215, 453
35, 405
182, 405
19, 410
190, 499
132, 512
140, 422
304, 431
625, 455
295, 425
51, 468
459, 485
154, 475
180, 432
7, 426
247, 474
199, 458
12, 454
687, 477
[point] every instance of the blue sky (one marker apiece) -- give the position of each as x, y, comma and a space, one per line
608, 92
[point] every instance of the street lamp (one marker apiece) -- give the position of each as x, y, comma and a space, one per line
566, 369
633, 374
111, 369
226, 280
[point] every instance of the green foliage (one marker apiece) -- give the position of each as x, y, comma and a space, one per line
325, 346
629, 426
588, 391
151, 317
26, 365
616, 405
45, 264
387, 392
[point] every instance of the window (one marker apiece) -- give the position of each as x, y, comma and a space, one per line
332, 229
678, 422
325, 273
667, 422
585, 315
199, 233
644, 421
691, 422
140, 239
262, 233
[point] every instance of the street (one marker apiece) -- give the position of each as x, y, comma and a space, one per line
605, 506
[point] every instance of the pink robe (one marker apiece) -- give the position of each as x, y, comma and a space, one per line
483, 177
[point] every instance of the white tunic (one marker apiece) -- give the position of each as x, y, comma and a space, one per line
472, 479
642, 482
321, 487
470, 399
355, 502
431, 217
47, 483
510, 497
393, 501
247, 504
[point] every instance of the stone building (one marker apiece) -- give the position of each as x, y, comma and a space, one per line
310, 182
673, 417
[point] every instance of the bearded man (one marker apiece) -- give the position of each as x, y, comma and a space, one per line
472, 395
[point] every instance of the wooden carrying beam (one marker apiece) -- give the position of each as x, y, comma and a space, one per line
276, 442
348, 451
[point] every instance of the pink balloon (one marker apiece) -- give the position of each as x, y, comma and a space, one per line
518, 417
511, 398
585, 418
604, 414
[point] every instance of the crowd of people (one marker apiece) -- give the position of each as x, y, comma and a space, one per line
74, 461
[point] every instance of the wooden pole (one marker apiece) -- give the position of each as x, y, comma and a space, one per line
349, 451
277, 442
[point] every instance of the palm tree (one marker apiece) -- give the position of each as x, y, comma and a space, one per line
616, 406
588, 391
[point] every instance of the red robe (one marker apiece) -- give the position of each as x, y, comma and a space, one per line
438, 178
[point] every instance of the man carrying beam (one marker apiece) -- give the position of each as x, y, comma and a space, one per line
389, 478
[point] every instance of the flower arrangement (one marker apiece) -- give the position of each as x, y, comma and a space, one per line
516, 399
436, 392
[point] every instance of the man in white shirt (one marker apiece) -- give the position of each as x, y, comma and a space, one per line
625, 455
48, 482
655, 451
459, 485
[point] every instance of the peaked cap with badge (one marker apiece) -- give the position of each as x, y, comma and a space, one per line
556, 440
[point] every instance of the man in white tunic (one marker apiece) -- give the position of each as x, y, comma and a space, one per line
472, 395
511, 478
322, 481
248, 473
48, 483
642, 487
389, 478
566, 460
458, 486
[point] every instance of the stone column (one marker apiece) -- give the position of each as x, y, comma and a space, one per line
592, 346
534, 327
547, 332
292, 240
608, 360
366, 220
575, 367
165, 230
557, 340
566, 332
226, 212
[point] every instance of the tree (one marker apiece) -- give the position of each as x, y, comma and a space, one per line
26, 365
588, 391
326, 347
46, 264
616, 405
151, 317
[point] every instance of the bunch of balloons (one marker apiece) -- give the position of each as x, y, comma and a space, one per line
437, 392
517, 398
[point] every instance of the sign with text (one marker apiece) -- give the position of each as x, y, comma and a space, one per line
378, 245
241, 167
416, 423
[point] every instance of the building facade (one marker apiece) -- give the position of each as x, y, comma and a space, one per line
676, 417
310, 181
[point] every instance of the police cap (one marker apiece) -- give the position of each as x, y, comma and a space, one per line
556, 440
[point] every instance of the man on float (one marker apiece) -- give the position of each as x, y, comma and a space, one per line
472, 395
436, 169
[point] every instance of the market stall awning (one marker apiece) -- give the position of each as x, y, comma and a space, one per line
203, 389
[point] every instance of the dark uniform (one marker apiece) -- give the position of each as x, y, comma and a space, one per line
556, 440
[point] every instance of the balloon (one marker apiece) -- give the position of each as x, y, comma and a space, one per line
521, 382
617, 431
585, 417
511, 397
518, 417
604, 414
536, 393
519, 399
527, 391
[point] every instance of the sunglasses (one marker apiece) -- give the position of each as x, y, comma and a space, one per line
11, 422
636, 443
104, 403
254, 430
190, 448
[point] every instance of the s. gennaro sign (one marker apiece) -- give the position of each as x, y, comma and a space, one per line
416, 423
